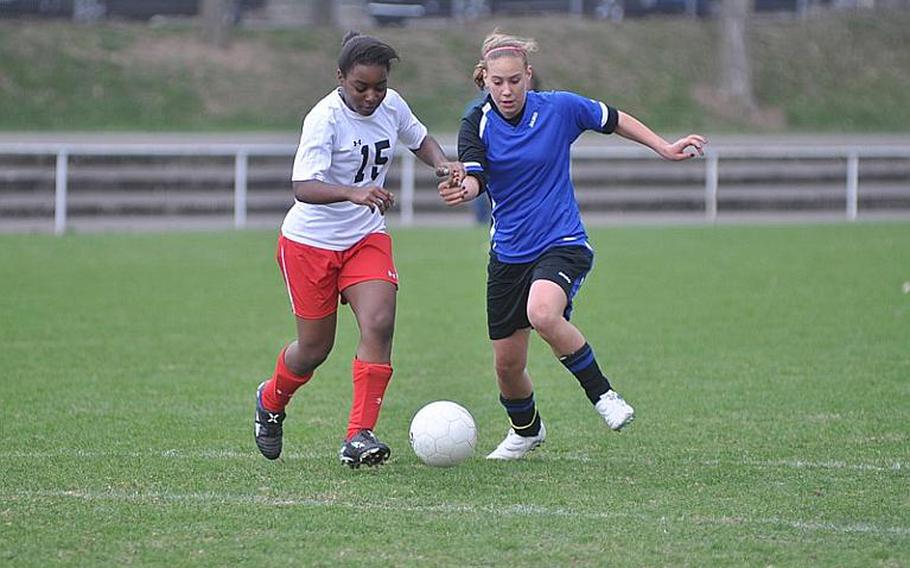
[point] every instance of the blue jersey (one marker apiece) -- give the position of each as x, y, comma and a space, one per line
523, 164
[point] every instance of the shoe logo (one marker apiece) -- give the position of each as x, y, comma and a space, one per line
273, 418
563, 274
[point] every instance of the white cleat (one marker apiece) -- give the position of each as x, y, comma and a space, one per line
514, 447
616, 412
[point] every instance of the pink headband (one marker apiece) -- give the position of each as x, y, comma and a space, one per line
504, 48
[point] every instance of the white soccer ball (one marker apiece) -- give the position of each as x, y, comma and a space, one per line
443, 434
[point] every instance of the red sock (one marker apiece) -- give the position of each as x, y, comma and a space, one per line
279, 389
370, 382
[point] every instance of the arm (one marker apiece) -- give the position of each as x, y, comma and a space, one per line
314, 158
687, 147
319, 192
472, 152
431, 154
413, 134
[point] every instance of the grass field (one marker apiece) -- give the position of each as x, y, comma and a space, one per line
769, 368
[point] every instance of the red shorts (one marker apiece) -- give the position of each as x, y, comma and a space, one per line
315, 276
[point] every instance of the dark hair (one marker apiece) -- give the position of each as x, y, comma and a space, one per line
364, 50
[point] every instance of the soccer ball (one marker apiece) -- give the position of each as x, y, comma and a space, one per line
443, 434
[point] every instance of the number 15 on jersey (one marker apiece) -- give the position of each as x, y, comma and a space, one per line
377, 150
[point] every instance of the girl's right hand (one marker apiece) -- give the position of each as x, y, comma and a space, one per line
454, 172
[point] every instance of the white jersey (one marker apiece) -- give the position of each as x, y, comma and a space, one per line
341, 147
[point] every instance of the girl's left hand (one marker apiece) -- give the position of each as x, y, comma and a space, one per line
453, 195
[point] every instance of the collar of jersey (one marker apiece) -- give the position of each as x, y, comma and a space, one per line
352, 113
514, 122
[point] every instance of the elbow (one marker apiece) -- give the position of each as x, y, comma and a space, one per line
622, 123
300, 189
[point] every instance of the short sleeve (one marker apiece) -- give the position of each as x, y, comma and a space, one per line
589, 114
314, 153
411, 131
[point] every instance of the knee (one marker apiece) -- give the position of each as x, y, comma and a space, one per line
509, 367
544, 318
379, 326
310, 355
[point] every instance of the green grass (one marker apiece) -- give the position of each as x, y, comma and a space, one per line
839, 71
769, 369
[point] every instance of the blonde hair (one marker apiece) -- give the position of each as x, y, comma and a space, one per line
499, 44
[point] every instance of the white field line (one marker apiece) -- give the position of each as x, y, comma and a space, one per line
514, 510
159, 454
226, 454
760, 464
801, 464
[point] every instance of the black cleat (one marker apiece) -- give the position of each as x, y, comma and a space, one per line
267, 428
363, 448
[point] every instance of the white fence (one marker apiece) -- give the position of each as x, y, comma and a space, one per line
242, 152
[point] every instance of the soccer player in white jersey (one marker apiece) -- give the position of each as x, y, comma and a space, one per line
515, 145
333, 242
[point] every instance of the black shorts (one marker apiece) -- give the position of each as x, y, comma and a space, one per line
508, 285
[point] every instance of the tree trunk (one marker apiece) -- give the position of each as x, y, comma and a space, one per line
323, 13
217, 21
736, 76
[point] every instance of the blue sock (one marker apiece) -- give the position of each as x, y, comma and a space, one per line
523, 415
584, 366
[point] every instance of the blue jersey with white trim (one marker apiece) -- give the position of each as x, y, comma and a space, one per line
523, 164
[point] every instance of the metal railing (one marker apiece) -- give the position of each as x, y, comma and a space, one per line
851, 155
241, 153
63, 152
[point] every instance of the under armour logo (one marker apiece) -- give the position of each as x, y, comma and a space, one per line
358, 143
273, 418
358, 444
379, 400
393, 275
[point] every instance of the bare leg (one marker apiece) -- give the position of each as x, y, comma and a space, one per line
314, 342
546, 304
373, 303
517, 397
293, 369
511, 360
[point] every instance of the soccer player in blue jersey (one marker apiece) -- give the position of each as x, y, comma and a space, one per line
515, 146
